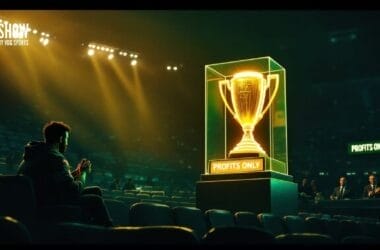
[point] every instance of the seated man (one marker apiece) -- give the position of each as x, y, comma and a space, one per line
115, 185
305, 190
54, 182
342, 191
371, 190
129, 185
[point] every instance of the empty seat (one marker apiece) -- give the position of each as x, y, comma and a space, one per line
186, 204
304, 239
191, 217
325, 216
154, 235
360, 239
315, 225
246, 218
150, 214
135, 191
118, 211
17, 198
219, 218
20, 203
60, 213
332, 228
158, 192
161, 198
116, 192
78, 233
271, 223
370, 229
150, 200
192, 199
129, 194
237, 236
129, 201
143, 196
178, 198
13, 232
294, 224
304, 214
172, 204
349, 228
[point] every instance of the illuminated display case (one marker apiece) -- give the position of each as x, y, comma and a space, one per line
245, 109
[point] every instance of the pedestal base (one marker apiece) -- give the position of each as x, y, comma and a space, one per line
259, 192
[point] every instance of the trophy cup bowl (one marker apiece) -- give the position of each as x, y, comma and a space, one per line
248, 91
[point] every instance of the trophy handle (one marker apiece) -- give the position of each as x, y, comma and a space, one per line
227, 83
269, 78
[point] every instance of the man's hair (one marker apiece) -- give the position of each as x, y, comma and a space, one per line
53, 130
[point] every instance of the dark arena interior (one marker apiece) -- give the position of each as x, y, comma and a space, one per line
131, 86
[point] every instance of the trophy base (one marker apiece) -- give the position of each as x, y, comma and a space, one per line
259, 192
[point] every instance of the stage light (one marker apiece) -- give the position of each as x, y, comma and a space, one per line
122, 53
45, 42
175, 67
35, 31
113, 50
42, 40
43, 34
91, 52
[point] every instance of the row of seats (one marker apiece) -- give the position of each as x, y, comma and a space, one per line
122, 203
339, 217
12, 231
143, 195
149, 220
153, 214
157, 192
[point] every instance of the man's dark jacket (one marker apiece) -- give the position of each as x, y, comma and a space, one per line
50, 173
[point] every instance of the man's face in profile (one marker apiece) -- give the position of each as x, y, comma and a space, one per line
64, 142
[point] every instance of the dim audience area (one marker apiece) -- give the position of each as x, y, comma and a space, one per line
152, 217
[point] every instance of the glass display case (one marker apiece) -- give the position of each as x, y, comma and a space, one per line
245, 117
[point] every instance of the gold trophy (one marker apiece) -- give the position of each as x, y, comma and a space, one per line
248, 91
